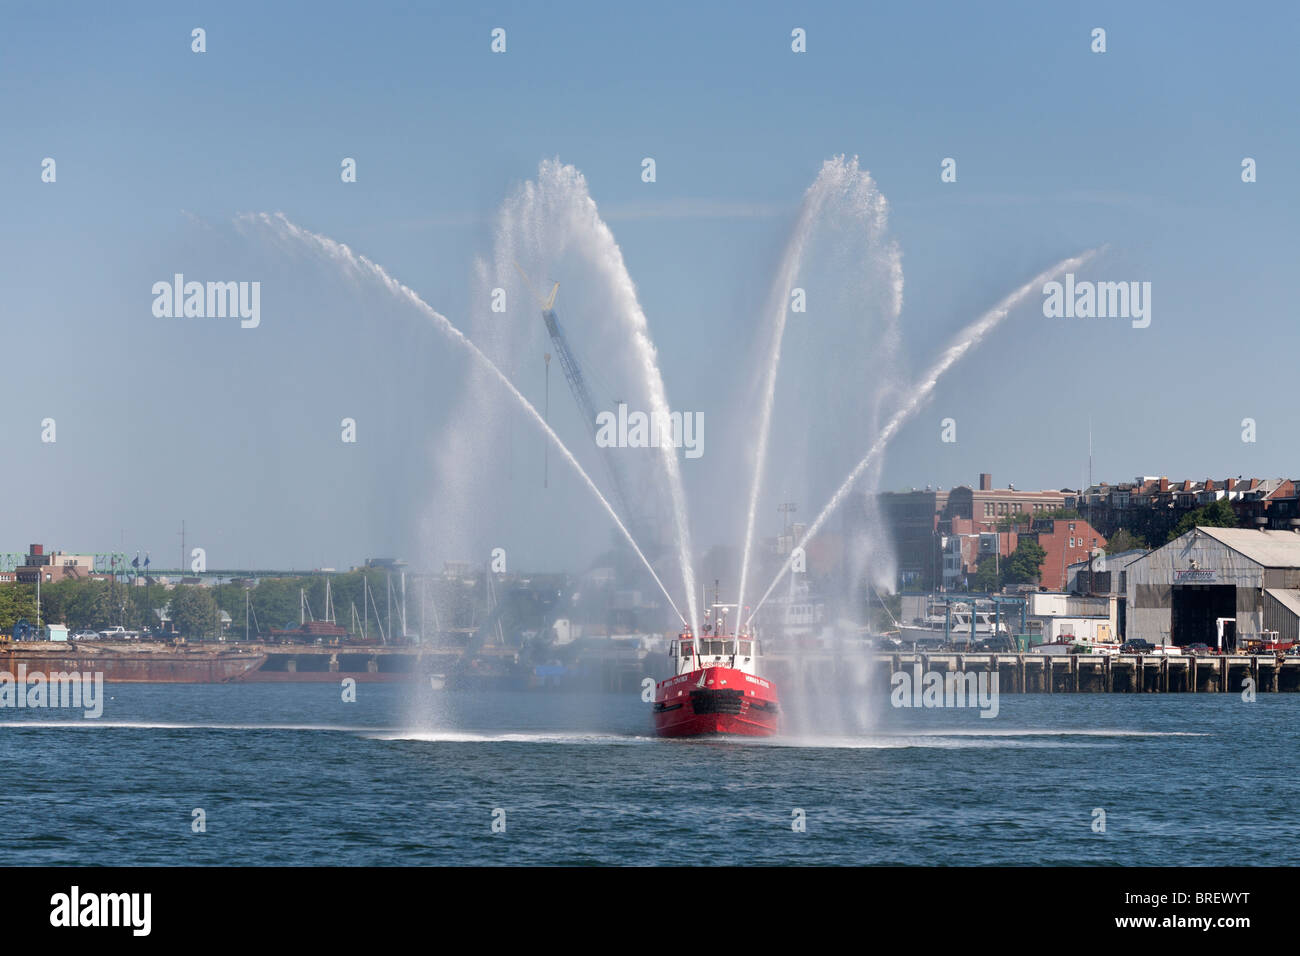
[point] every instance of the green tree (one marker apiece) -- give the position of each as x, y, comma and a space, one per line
193, 611
276, 602
986, 575
16, 601
1025, 564
79, 603
1124, 540
1218, 514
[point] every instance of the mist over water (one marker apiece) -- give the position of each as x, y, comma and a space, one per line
830, 693
827, 370
827, 378
967, 339
550, 229
356, 264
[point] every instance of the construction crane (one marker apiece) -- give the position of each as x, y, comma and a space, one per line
578, 386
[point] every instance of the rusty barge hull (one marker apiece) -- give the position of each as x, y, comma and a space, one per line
364, 664
133, 666
317, 677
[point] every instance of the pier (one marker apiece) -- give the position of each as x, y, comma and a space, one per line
1109, 673
1025, 673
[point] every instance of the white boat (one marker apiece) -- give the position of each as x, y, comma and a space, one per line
952, 627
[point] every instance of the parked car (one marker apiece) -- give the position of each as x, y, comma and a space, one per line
1137, 646
1001, 644
1199, 650
86, 636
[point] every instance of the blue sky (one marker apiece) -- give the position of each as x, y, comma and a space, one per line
1058, 150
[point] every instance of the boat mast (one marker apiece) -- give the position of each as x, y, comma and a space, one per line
404, 629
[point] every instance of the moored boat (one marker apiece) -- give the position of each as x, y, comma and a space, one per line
143, 663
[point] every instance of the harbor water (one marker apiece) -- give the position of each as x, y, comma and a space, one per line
291, 774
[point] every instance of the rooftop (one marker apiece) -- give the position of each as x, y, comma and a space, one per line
1271, 549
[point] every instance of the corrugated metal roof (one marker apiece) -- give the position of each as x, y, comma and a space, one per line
1116, 561
1287, 597
1271, 549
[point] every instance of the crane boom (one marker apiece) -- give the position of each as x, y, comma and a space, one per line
581, 393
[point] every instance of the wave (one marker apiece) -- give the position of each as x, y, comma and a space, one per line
526, 737
92, 722
969, 738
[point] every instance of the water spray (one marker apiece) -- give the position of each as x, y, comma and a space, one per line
842, 188
341, 253
555, 213
813, 201
968, 338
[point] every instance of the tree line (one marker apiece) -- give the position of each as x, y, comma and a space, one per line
92, 604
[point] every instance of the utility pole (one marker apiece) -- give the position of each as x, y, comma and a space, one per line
181, 567
1090, 452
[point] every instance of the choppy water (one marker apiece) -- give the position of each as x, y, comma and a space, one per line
289, 774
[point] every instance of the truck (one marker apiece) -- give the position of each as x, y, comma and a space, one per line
118, 633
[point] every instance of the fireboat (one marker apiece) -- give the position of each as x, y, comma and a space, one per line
715, 687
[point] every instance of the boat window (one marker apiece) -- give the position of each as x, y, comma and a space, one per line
686, 649
746, 649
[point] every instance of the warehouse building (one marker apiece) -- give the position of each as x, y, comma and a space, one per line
1224, 587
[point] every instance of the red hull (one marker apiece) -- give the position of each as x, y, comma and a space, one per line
716, 700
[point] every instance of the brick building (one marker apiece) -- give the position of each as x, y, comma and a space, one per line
1153, 506
55, 566
1067, 541
924, 524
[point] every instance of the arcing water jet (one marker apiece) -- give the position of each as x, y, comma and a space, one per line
555, 214
845, 197
968, 338
344, 256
